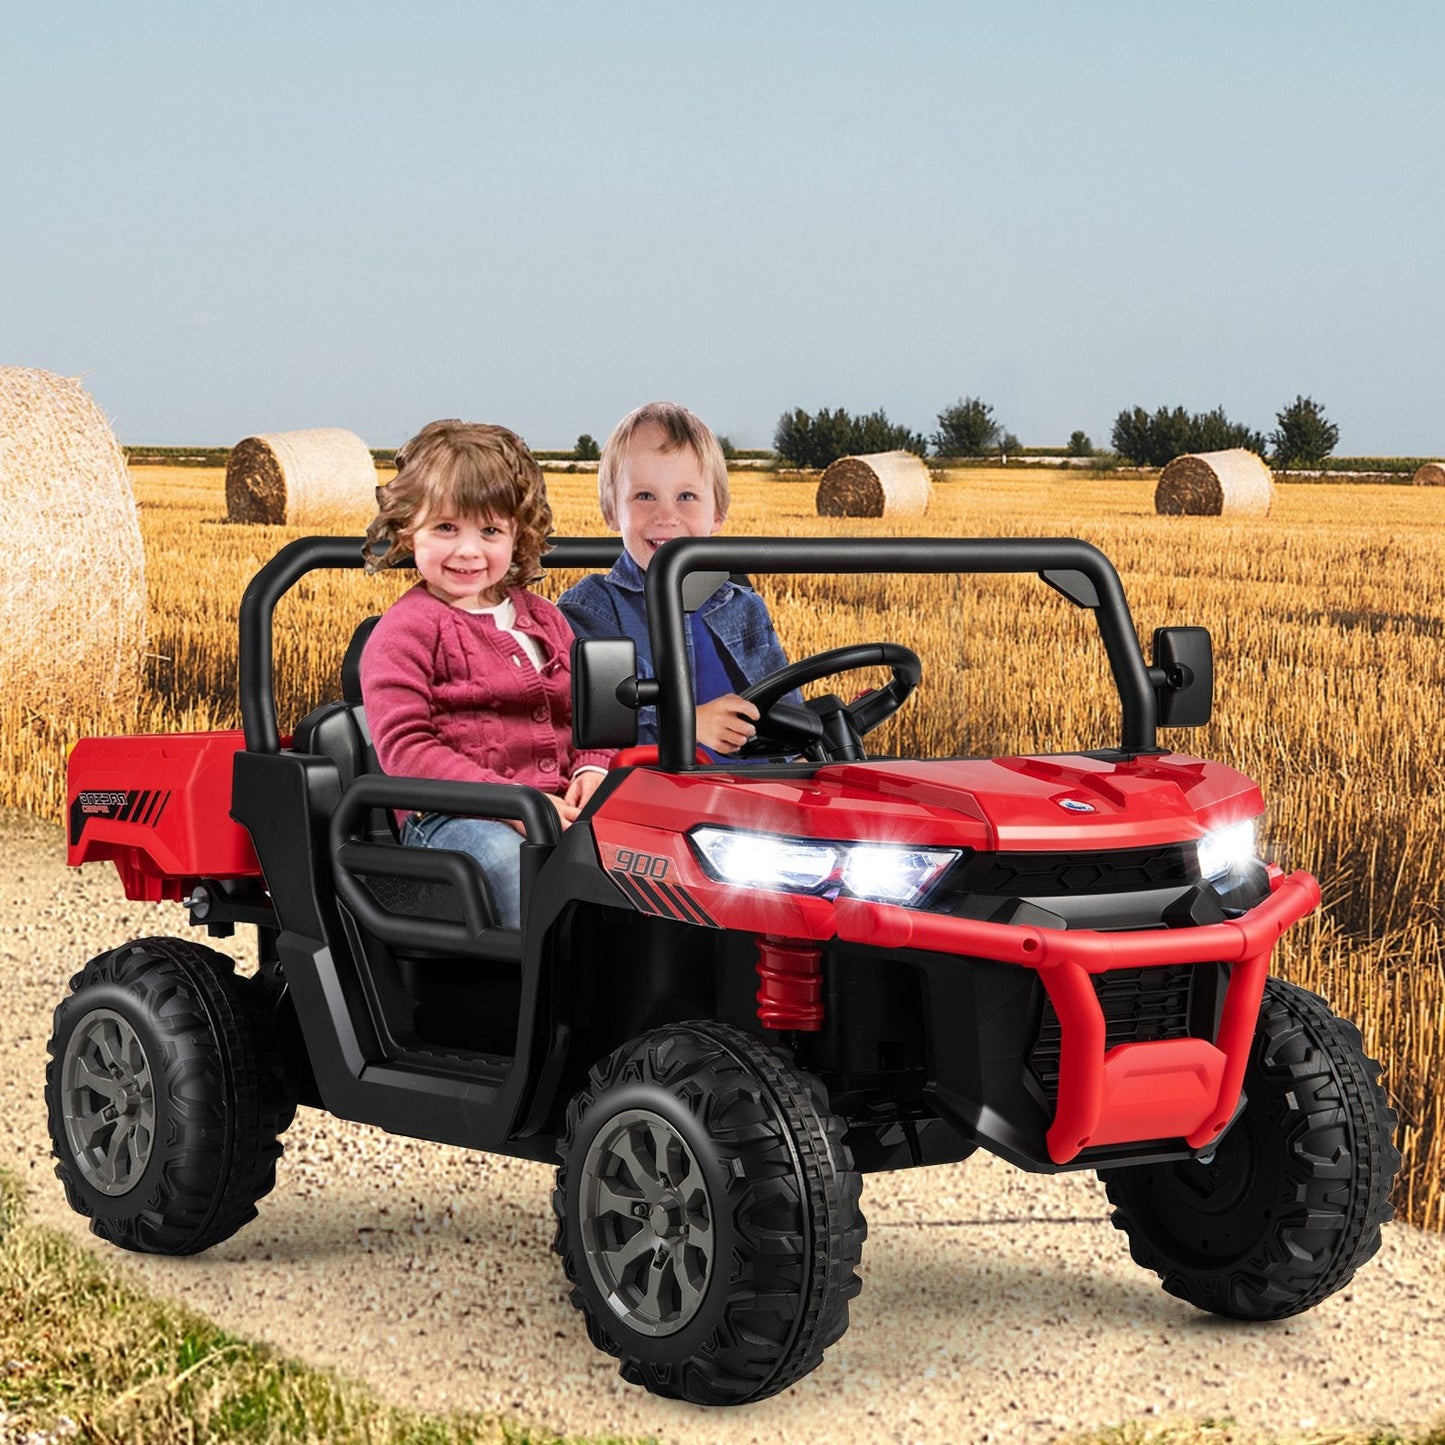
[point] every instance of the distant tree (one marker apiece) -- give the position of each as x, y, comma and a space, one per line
729, 451
968, 428
1154, 441
1303, 437
875, 433
1130, 437
1080, 445
1214, 432
831, 438
1008, 444
793, 436
586, 449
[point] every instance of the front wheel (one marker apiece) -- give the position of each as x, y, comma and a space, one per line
1291, 1202
708, 1215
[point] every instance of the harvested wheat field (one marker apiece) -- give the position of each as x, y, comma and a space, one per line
995, 1304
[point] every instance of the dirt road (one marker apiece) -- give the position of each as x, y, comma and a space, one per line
996, 1305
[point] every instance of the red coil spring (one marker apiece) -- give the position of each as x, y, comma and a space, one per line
791, 991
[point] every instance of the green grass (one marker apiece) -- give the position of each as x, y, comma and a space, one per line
85, 1355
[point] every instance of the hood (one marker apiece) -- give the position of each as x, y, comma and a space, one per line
1052, 802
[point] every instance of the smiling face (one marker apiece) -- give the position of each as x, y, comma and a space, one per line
662, 495
463, 560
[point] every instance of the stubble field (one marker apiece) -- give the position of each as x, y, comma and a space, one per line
1328, 620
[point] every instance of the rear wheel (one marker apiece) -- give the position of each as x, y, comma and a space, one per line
1291, 1202
708, 1215
165, 1097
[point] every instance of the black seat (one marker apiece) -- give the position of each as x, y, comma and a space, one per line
339, 731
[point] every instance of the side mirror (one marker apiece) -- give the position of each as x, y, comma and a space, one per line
601, 718
1183, 676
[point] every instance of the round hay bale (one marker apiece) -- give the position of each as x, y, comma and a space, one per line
299, 477
880, 484
1432, 474
73, 603
1235, 483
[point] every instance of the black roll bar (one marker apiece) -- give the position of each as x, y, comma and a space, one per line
666, 620
255, 673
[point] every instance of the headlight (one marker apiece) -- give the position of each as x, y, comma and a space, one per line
762, 860
879, 872
1227, 850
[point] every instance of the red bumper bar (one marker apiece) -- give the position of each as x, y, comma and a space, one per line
1134, 1092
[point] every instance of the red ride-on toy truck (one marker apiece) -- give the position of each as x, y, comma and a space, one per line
736, 988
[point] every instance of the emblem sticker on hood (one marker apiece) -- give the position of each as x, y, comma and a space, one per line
1075, 805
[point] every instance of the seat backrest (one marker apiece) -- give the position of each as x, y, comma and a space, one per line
339, 731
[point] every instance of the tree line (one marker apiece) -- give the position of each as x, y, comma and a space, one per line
1303, 436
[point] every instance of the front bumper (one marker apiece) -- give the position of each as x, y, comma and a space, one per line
1186, 1088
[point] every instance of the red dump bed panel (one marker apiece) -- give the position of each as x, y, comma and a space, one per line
159, 807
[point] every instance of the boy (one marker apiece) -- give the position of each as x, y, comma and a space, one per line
663, 475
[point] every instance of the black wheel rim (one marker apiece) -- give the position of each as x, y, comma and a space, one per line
646, 1222
108, 1103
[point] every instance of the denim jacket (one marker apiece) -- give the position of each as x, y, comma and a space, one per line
615, 606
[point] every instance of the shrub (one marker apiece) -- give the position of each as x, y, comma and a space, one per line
586, 449
1080, 445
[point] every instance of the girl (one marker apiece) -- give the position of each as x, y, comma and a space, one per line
467, 675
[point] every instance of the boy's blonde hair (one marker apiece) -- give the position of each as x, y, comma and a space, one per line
473, 470
681, 429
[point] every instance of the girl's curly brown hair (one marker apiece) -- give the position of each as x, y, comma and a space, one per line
471, 469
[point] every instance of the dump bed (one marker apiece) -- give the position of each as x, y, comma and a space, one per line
159, 807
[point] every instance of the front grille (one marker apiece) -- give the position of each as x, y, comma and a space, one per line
1055, 875
1141, 1005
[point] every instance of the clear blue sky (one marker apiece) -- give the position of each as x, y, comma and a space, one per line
237, 219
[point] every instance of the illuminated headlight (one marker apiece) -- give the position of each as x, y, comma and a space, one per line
876, 871
1227, 850
893, 875
762, 860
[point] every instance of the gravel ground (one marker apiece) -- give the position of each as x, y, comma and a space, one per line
996, 1305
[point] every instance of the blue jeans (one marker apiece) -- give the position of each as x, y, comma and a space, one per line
495, 845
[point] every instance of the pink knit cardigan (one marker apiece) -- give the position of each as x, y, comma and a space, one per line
448, 694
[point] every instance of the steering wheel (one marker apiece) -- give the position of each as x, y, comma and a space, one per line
828, 729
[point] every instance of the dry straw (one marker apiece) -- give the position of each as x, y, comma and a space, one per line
73, 605
300, 477
1235, 483
1432, 474
880, 484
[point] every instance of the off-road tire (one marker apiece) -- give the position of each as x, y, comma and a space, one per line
773, 1187
1292, 1202
200, 1053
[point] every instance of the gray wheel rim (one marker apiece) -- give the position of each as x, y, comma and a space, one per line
646, 1222
108, 1102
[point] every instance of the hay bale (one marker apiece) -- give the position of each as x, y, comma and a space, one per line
1432, 474
300, 477
1234, 483
73, 602
880, 484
